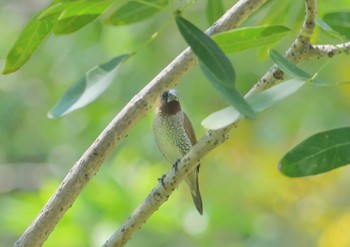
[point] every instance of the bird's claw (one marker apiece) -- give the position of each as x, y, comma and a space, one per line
176, 164
161, 180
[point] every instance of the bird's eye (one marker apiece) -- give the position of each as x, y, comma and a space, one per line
164, 95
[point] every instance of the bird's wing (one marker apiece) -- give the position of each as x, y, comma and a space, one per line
189, 130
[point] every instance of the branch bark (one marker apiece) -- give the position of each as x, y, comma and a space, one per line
91, 161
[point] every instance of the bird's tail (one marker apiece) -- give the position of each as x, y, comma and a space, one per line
192, 182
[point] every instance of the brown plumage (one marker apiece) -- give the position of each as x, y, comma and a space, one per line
175, 136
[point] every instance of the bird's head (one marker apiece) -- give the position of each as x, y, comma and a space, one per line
168, 103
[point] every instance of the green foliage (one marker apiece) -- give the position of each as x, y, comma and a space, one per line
135, 11
88, 88
245, 38
214, 10
339, 21
214, 64
319, 153
36, 153
28, 41
259, 102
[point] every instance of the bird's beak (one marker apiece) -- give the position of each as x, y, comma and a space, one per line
172, 96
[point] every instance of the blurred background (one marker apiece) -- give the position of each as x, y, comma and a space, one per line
247, 201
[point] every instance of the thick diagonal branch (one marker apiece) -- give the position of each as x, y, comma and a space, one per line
91, 161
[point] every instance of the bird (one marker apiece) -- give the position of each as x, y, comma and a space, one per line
175, 137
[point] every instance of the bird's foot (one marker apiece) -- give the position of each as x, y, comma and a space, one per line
176, 164
161, 180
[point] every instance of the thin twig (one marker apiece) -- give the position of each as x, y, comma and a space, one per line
91, 161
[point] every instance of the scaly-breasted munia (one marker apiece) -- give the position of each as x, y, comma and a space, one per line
175, 136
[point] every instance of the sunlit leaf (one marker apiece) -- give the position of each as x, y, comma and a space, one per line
259, 102
215, 10
28, 41
339, 21
76, 8
288, 67
134, 11
319, 153
215, 65
88, 88
72, 24
249, 37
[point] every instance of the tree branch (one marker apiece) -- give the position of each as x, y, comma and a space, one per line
91, 161
297, 51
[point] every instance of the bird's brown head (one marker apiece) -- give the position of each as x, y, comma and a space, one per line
168, 103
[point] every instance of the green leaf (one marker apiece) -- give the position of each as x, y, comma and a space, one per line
339, 21
329, 30
207, 51
215, 10
88, 88
134, 11
73, 24
75, 15
288, 67
319, 153
28, 41
229, 93
76, 8
215, 65
249, 37
259, 102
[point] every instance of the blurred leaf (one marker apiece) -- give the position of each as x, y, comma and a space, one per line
28, 41
259, 102
70, 9
75, 15
329, 30
215, 10
288, 67
230, 94
88, 88
249, 37
72, 24
339, 21
134, 11
319, 153
214, 64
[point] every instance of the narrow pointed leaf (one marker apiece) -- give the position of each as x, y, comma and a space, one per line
134, 11
259, 102
229, 93
207, 51
215, 10
88, 88
288, 67
319, 153
249, 37
73, 24
28, 41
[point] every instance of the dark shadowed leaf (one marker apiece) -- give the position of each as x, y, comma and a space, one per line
259, 102
319, 153
230, 94
207, 51
215, 10
134, 11
339, 21
249, 37
215, 65
28, 41
88, 88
